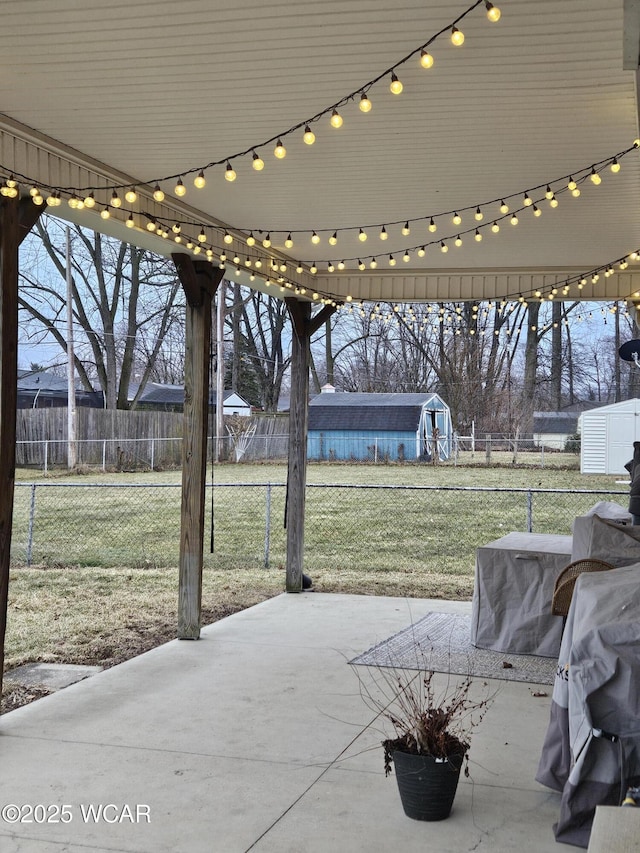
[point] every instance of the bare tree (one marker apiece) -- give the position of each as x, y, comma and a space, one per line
125, 303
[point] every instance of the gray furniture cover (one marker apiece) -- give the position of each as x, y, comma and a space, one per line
605, 539
514, 581
591, 751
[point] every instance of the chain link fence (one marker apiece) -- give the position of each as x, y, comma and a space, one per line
348, 527
157, 454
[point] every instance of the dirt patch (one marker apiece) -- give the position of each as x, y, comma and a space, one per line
115, 647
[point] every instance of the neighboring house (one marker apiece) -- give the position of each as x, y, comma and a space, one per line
552, 429
170, 398
42, 389
397, 427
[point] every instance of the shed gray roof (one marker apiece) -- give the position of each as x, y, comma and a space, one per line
379, 412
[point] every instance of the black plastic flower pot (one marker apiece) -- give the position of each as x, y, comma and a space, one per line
427, 785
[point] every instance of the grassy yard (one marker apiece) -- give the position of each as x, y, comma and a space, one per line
83, 601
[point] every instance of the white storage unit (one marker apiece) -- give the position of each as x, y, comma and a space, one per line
607, 436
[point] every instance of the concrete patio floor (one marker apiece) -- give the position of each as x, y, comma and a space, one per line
255, 738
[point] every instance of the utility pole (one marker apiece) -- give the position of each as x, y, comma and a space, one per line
220, 305
71, 389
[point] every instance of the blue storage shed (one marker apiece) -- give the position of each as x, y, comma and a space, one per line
377, 427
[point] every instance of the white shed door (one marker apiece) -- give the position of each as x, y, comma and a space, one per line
623, 429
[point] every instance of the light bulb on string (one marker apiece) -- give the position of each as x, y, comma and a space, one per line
336, 119
288, 242
202, 237
361, 265
426, 60
392, 261
548, 194
158, 194
457, 219
341, 265
105, 213
536, 211
90, 201
333, 239
199, 181
594, 177
230, 173
457, 37
383, 233
553, 201
443, 247
131, 195
575, 192
280, 151
176, 228
116, 201
495, 227
251, 240
421, 252
614, 166
493, 13
180, 189
477, 236
406, 230
432, 226
572, 184
478, 215
514, 219
266, 241
362, 235
130, 223
228, 238
309, 136
395, 86
365, 103
526, 201
458, 241
373, 263
257, 163
315, 238
504, 207
406, 257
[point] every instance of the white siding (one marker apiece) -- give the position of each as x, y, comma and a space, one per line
608, 434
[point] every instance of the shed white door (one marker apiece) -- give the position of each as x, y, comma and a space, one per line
623, 429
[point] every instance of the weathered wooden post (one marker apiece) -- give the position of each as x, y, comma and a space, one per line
17, 217
303, 328
200, 281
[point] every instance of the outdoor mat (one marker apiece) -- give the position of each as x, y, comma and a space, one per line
440, 642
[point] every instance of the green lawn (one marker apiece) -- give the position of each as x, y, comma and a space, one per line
103, 580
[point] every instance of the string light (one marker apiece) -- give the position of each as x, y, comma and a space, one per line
365, 103
199, 181
336, 119
180, 189
457, 37
230, 172
280, 151
395, 86
257, 162
426, 60
493, 13
309, 136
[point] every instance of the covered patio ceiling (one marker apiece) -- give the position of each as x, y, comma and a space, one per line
133, 92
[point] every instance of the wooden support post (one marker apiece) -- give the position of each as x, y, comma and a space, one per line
200, 280
303, 328
17, 217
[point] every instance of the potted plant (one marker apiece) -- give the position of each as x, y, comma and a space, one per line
431, 733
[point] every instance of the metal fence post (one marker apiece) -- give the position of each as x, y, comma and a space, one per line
542, 455
104, 455
46, 456
530, 511
32, 513
267, 524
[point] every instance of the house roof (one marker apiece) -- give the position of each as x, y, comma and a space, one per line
379, 412
563, 423
160, 393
